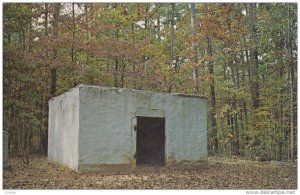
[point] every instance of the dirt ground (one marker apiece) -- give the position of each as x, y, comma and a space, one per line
222, 173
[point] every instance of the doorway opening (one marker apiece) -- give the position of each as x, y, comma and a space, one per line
150, 143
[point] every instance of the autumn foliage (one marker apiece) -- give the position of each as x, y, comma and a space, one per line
243, 57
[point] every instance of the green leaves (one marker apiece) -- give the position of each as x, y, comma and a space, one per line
128, 45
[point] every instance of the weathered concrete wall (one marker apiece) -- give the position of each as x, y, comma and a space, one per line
106, 131
186, 126
108, 115
63, 128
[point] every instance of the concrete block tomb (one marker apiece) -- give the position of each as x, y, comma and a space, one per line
94, 128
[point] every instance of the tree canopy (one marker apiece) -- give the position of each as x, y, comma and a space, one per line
242, 56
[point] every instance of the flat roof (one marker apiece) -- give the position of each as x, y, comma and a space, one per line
133, 90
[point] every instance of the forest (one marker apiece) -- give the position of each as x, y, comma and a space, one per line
241, 56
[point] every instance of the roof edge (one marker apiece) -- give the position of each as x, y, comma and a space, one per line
137, 90
119, 88
64, 93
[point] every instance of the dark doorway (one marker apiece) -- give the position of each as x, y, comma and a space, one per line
150, 143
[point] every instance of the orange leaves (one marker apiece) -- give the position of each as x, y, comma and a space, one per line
207, 58
223, 22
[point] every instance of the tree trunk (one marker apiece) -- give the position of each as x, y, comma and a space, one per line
55, 36
122, 80
195, 54
30, 30
170, 80
116, 72
254, 58
236, 127
46, 19
87, 19
134, 66
73, 32
22, 35
172, 35
212, 90
44, 134
292, 87
158, 27
146, 19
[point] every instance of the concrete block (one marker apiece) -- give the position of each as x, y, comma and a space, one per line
95, 126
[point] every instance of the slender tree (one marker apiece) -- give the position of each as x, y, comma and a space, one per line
212, 88
194, 46
292, 83
254, 85
56, 8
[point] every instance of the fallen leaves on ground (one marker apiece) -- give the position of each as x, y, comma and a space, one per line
220, 174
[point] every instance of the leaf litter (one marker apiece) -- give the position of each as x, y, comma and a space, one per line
222, 173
